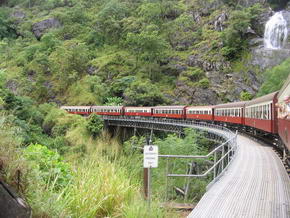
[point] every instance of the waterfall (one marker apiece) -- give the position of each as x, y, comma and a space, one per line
276, 32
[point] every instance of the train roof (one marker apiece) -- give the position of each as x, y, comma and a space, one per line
74, 107
284, 88
169, 107
132, 107
201, 107
265, 98
108, 107
231, 105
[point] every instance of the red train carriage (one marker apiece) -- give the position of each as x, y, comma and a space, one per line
108, 110
177, 112
260, 113
138, 111
82, 110
199, 112
230, 113
283, 106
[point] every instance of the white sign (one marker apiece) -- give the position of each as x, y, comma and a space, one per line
150, 156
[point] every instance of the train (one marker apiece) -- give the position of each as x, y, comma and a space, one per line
266, 116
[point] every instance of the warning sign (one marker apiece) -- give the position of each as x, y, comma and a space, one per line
150, 156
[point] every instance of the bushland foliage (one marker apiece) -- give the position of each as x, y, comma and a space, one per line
104, 49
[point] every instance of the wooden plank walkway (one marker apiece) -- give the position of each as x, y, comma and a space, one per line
256, 184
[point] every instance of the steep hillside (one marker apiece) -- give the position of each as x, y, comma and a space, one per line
134, 52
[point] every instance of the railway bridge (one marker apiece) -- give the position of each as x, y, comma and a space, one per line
253, 184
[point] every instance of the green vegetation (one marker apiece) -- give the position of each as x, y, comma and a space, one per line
275, 78
105, 49
59, 166
234, 36
192, 143
64, 165
246, 96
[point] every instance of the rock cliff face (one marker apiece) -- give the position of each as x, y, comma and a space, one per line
39, 28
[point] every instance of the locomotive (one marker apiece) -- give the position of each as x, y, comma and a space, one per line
266, 116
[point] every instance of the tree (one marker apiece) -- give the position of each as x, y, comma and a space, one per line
95, 124
109, 19
6, 25
143, 93
69, 62
147, 45
233, 36
150, 12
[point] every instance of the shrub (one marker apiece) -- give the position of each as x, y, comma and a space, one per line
49, 164
204, 83
95, 124
246, 96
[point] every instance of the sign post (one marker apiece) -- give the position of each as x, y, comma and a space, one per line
150, 161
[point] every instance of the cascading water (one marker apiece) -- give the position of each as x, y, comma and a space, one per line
276, 32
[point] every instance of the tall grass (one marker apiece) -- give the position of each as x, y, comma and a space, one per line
100, 188
105, 182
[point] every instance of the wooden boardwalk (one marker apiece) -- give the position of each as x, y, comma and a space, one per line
255, 185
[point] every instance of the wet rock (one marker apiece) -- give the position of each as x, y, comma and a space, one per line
256, 42
268, 58
286, 15
41, 27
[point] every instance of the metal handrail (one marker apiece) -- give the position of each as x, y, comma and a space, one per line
196, 156
231, 142
208, 171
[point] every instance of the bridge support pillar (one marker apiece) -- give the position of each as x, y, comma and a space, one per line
151, 137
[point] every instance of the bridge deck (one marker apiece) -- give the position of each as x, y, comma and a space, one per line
255, 185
